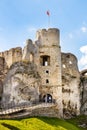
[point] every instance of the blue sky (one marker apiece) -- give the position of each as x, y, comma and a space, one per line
20, 19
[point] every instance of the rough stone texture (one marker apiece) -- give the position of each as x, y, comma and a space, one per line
45, 74
21, 85
3, 72
83, 85
70, 85
29, 51
50, 37
11, 56
48, 61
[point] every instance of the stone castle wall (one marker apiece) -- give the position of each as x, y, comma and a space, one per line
46, 54
11, 56
70, 85
84, 91
44, 73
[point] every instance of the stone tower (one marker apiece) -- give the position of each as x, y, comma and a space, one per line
48, 61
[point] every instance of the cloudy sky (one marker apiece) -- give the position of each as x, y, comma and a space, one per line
19, 20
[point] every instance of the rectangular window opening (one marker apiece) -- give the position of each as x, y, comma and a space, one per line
45, 60
47, 81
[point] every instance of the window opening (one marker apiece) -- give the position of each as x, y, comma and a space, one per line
47, 81
31, 57
47, 71
45, 60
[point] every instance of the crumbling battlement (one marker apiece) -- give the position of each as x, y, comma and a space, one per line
12, 55
48, 37
69, 65
70, 84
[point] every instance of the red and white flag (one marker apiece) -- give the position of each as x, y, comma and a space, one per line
48, 12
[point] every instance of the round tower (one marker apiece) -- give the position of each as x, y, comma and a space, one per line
49, 65
48, 37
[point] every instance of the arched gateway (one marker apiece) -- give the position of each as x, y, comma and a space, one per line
47, 98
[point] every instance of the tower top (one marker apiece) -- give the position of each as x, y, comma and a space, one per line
49, 36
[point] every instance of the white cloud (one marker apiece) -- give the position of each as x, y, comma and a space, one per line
83, 59
83, 49
84, 29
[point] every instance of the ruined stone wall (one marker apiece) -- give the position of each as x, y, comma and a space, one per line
12, 55
83, 86
3, 69
1, 75
29, 51
50, 37
44, 70
84, 97
70, 85
3, 72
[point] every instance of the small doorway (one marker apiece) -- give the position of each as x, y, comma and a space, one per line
47, 98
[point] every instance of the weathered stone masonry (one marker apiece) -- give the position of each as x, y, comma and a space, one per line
42, 73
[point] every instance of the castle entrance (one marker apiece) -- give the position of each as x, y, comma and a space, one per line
47, 98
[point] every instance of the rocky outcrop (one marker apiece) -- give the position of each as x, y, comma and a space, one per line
21, 84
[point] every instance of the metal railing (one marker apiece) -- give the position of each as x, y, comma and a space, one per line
26, 106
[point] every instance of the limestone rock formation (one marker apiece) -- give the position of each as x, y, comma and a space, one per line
21, 84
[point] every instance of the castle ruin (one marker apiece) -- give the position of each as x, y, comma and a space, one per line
42, 74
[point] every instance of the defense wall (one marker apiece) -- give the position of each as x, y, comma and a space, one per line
59, 80
70, 85
12, 55
84, 92
3, 72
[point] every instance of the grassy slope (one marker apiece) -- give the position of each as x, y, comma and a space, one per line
40, 123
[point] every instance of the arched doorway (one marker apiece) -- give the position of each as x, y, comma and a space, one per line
47, 98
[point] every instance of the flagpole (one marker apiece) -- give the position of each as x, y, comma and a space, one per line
48, 14
48, 21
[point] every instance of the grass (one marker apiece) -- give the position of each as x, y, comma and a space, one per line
43, 123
